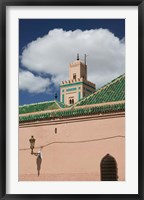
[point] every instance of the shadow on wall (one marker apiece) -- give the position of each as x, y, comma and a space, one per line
38, 161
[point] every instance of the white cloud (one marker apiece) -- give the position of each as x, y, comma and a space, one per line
31, 83
54, 52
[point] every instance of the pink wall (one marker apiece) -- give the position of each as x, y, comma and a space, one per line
66, 160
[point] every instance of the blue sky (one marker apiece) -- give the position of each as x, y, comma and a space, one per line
48, 46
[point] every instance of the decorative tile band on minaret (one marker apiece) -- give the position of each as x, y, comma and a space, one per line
77, 86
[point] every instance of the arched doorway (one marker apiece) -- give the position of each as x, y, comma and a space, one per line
108, 167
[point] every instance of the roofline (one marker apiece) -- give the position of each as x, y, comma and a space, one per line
103, 87
70, 108
72, 119
102, 109
36, 103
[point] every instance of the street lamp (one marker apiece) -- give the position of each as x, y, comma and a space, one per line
39, 154
32, 143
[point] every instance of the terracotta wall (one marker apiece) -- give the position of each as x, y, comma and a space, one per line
75, 151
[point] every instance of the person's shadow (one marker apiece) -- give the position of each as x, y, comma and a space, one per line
38, 161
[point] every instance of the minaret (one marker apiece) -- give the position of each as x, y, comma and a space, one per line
77, 86
77, 70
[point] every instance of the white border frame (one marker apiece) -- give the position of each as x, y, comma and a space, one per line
130, 13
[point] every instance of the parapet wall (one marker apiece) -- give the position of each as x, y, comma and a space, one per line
72, 149
77, 62
76, 81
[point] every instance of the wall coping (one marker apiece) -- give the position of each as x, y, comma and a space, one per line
72, 119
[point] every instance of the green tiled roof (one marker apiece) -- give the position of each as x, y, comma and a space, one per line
113, 91
61, 105
50, 105
75, 112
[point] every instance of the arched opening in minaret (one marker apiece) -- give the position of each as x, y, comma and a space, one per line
71, 101
74, 76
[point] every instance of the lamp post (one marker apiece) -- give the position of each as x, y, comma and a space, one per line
39, 154
32, 143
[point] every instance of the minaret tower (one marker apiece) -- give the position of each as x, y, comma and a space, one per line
77, 86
